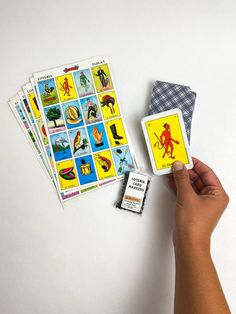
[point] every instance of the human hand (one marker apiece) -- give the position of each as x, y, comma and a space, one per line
96, 135
201, 200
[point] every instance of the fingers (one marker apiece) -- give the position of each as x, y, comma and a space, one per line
182, 179
207, 175
196, 181
171, 183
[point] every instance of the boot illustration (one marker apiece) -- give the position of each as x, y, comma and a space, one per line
114, 132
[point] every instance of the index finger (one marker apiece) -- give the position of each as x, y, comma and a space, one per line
206, 174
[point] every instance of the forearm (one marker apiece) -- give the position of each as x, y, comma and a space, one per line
198, 288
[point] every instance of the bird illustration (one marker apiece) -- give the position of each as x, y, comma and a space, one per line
48, 90
60, 141
77, 140
108, 101
79, 143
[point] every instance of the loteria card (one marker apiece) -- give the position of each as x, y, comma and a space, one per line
166, 140
85, 134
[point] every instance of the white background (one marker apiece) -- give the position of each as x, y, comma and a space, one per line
91, 257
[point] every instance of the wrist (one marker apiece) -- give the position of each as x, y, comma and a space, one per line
191, 243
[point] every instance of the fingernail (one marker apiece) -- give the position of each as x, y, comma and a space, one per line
178, 165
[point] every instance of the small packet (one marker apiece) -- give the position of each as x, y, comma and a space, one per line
134, 190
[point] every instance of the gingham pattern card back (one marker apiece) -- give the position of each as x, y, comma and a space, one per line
166, 96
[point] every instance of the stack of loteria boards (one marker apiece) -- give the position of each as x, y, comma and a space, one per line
72, 117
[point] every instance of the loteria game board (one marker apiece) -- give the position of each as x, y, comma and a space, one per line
75, 115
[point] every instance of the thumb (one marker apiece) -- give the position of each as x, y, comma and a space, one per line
181, 177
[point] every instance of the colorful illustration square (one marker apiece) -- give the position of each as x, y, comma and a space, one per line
66, 87
22, 117
97, 136
54, 118
48, 151
84, 83
34, 141
86, 169
102, 78
34, 105
28, 110
60, 146
116, 132
91, 109
122, 159
25, 113
42, 131
48, 92
79, 142
104, 165
73, 114
109, 105
67, 174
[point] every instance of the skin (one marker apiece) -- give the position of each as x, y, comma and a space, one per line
201, 200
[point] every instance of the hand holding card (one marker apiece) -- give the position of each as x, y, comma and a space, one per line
166, 140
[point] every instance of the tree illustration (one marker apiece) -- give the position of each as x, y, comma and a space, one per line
53, 114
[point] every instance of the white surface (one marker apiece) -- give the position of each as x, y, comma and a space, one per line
91, 257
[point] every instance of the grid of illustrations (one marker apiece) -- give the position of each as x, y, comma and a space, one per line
83, 129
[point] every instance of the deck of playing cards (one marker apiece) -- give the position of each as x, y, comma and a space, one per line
166, 140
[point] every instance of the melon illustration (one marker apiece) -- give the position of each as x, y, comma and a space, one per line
73, 115
67, 173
